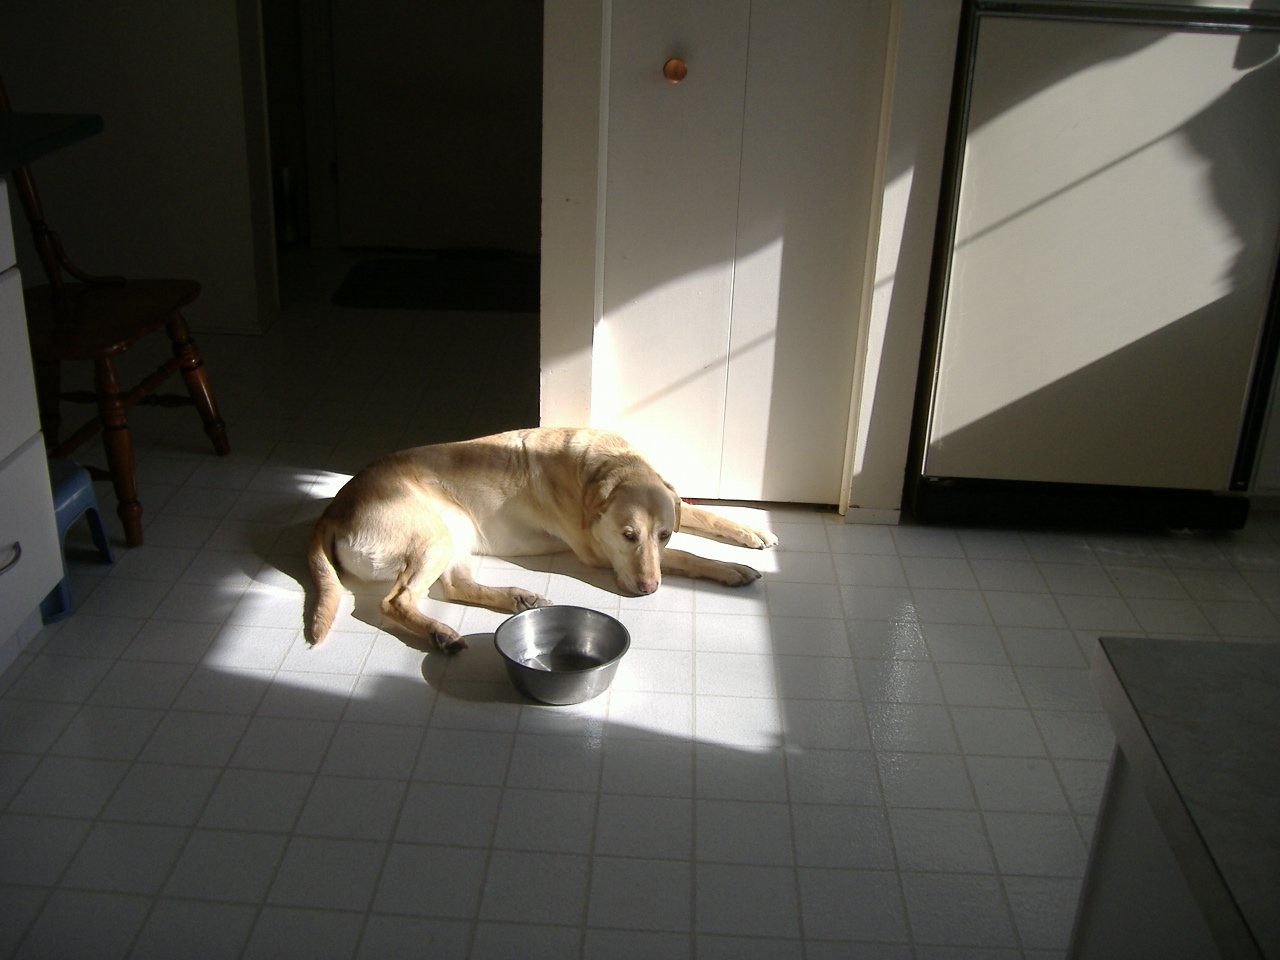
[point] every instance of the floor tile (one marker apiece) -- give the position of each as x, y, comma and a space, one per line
852, 905
327, 874
556, 821
1016, 783
729, 831
226, 866
324, 935
69, 787
647, 826
256, 800
640, 894
431, 881
447, 813
735, 898
162, 793
37, 849
351, 808
946, 841
414, 938
997, 731
193, 930
83, 923
841, 836
937, 781
916, 727
494, 941
125, 858
526, 887
107, 733
958, 910
1045, 845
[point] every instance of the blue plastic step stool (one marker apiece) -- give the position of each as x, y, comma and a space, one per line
73, 498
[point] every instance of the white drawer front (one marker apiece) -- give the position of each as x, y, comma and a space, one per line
17, 384
30, 556
7, 255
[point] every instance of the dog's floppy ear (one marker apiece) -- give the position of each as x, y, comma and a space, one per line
593, 501
675, 498
596, 491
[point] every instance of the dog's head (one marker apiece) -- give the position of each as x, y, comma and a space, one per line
631, 519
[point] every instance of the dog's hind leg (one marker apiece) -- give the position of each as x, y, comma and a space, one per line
457, 584
421, 569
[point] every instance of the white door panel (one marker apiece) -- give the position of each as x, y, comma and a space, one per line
671, 198
735, 217
806, 186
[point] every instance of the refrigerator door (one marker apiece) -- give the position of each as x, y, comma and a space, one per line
1115, 239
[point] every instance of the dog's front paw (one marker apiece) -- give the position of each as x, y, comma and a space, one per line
737, 574
527, 600
760, 539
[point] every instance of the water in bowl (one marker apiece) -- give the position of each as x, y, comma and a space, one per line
561, 662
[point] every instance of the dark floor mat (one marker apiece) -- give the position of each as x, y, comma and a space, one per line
452, 280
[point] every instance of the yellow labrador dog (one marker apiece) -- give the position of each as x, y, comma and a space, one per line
416, 517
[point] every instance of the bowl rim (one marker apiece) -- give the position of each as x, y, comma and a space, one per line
626, 638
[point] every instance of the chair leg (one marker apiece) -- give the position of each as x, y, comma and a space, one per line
119, 447
197, 380
48, 390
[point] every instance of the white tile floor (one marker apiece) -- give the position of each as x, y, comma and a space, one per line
888, 748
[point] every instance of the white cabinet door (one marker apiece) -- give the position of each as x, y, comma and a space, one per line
30, 556
734, 229
20, 418
661, 347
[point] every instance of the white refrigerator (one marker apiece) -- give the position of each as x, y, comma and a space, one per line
1105, 269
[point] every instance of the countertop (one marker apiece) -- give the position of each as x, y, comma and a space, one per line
27, 136
1199, 722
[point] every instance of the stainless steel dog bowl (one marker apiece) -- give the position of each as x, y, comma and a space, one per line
561, 655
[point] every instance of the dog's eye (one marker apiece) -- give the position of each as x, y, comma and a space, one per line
629, 535
664, 536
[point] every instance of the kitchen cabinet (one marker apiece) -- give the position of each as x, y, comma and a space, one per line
30, 557
734, 229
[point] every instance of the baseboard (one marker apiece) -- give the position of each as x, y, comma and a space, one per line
873, 515
989, 502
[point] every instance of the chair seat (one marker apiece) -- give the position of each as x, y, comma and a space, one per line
82, 321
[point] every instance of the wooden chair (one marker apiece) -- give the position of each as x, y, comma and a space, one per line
79, 317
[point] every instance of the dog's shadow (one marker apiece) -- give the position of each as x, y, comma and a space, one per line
474, 675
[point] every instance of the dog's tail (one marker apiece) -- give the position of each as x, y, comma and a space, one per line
324, 577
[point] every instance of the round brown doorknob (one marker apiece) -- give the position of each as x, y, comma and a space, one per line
675, 70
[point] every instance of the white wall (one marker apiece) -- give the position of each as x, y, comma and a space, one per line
916, 132
175, 185
574, 89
